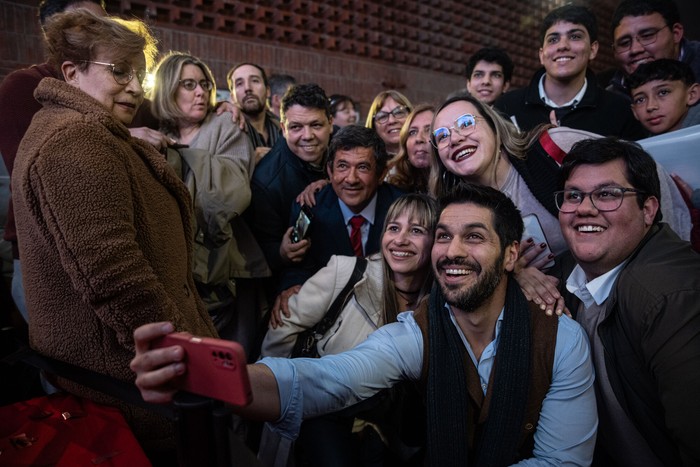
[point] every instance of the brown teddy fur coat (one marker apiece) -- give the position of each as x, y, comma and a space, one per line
105, 236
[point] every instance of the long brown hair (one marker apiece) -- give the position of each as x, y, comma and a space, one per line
423, 211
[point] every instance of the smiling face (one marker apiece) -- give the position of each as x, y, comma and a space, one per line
250, 92
467, 258
487, 82
473, 157
345, 114
601, 240
566, 51
194, 104
661, 105
406, 246
418, 141
666, 44
121, 100
307, 131
354, 177
390, 130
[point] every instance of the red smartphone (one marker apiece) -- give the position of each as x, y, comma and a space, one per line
216, 368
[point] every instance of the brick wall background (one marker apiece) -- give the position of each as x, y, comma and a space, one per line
353, 47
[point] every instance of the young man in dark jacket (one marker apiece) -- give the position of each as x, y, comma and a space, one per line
635, 288
565, 91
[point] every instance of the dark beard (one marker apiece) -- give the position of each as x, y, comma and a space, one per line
470, 299
253, 109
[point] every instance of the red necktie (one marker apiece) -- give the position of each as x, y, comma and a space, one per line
356, 234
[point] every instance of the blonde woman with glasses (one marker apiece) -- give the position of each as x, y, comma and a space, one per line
387, 115
215, 160
476, 145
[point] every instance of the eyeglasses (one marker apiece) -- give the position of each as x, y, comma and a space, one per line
463, 126
645, 37
121, 73
399, 113
603, 199
191, 84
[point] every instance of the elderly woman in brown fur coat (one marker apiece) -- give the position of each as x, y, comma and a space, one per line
104, 225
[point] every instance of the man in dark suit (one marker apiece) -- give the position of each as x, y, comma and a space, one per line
348, 216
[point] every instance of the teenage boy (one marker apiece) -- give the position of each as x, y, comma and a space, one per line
664, 96
489, 72
565, 91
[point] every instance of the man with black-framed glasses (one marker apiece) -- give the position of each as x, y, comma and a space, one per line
634, 286
644, 31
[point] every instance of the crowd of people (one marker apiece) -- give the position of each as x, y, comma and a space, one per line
502, 277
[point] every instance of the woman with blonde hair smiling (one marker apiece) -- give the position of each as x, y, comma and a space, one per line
386, 116
475, 144
410, 169
395, 280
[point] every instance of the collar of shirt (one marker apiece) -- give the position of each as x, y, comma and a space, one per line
577, 98
488, 357
595, 291
367, 212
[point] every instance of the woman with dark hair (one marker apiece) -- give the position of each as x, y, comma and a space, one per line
410, 169
104, 224
343, 110
216, 163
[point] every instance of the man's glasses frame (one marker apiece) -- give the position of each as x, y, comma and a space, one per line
605, 199
645, 37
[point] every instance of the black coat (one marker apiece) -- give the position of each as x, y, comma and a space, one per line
600, 111
277, 181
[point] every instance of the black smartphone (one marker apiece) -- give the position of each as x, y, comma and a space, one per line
301, 226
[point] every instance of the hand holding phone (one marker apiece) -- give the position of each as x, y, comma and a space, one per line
533, 229
216, 368
301, 226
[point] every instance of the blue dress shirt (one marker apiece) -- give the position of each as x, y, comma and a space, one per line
568, 422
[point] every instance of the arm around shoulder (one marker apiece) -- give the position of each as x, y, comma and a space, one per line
308, 307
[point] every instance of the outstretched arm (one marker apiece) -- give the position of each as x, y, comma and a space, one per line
157, 372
